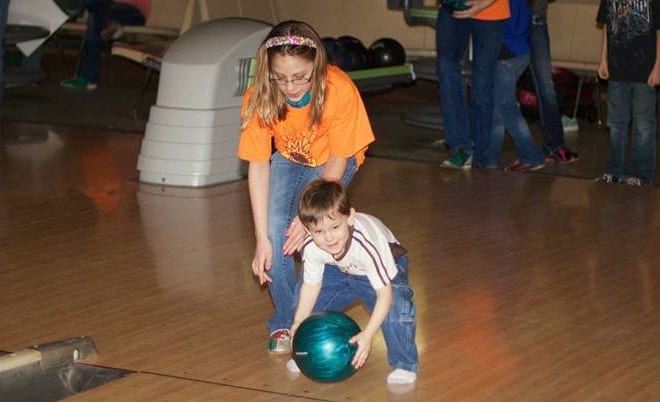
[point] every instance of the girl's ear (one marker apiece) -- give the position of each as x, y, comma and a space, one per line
351, 217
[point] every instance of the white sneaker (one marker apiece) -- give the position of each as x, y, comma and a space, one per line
292, 366
400, 376
569, 124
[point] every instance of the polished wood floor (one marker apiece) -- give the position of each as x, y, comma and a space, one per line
529, 287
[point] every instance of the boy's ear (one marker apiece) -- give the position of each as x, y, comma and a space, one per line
351, 217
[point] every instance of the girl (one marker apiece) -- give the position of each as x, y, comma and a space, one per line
314, 115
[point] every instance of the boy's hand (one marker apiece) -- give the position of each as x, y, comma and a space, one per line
603, 71
364, 342
263, 257
295, 234
474, 7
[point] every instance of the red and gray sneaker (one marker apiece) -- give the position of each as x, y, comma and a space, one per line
280, 342
522, 167
562, 155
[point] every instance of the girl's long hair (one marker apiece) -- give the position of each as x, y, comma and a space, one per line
267, 102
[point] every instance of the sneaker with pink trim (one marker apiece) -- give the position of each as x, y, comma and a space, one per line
279, 342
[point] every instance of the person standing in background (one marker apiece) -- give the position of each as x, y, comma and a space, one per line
4, 14
104, 23
630, 60
468, 126
553, 124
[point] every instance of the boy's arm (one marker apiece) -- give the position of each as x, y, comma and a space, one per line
654, 76
603, 70
309, 292
365, 338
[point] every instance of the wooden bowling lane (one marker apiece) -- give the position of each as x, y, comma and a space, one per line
528, 287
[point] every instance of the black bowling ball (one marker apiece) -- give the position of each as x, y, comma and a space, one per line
385, 52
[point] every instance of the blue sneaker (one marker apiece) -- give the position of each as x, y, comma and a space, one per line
78, 83
460, 160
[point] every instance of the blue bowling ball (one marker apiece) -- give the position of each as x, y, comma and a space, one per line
321, 349
454, 5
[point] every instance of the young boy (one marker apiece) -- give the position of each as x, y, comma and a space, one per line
366, 262
629, 59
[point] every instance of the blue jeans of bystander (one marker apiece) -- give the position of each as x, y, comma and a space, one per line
4, 14
546, 95
507, 115
101, 12
467, 129
631, 103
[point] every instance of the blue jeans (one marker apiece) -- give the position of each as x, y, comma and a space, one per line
544, 86
101, 12
631, 102
4, 14
467, 128
287, 180
340, 290
507, 115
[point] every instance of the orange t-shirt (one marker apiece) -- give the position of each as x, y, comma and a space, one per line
344, 130
499, 10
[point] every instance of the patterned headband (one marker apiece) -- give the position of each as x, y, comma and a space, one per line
290, 40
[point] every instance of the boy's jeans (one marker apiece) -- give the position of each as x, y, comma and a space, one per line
631, 102
339, 290
287, 180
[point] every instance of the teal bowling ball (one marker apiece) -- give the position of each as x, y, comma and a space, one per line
321, 349
454, 5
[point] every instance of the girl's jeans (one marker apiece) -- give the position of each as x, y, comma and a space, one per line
287, 180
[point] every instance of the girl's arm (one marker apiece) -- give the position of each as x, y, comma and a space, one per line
334, 168
258, 181
365, 338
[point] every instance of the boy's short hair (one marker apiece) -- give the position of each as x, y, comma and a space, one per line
320, 199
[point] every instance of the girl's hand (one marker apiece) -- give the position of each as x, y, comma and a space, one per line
295, 234
364, 342
474, 7
263, 258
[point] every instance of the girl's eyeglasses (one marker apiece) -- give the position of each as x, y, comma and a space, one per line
294, 81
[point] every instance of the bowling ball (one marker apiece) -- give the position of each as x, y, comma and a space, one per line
321, 349
335, 51
355, 55
385, 52
454, 5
